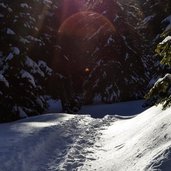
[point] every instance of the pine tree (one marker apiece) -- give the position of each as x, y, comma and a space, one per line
28, 38
22, 76
161, 91
120, 72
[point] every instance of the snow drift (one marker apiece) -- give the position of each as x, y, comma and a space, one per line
61, 142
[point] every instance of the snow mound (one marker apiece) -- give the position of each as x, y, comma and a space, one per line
140, 143
63, 142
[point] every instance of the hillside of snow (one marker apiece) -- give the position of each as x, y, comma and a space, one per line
63, 142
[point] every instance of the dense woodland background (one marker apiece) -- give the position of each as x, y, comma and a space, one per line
36, 65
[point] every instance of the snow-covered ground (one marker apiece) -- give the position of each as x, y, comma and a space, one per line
100, 110
123, 108
63, 142
54, 106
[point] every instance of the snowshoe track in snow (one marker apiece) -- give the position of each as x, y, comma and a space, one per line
86, 134
61, 146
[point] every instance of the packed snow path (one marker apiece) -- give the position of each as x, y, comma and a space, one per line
52, 142
60, 142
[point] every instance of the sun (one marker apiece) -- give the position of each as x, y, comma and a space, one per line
87, 70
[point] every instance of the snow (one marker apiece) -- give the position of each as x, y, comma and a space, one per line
23, 40
135, 144
24, 5
16, 50
10, 31
33, 38
43, 66
63, 142
22, 114
168, 38
47, 2
3, 5
123, 108
3, 79
28, 76
54, 106
9, 57
110, 39
148, 19
35, 68
167, 78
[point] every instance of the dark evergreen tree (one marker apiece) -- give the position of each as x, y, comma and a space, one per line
120, 72
22, 76
151, 27
114, 66
28, 38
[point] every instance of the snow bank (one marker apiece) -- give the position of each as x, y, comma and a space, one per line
61, 142
168, 38
140, 143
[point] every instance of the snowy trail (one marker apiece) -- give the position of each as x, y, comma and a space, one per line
54, 144
30, 143
63, 142
85, 135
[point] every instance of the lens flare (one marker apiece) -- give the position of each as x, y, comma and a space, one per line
86, 24
87, 70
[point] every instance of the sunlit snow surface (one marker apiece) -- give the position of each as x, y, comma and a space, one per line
61, 142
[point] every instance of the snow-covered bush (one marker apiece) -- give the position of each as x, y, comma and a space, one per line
164, 51
161, 91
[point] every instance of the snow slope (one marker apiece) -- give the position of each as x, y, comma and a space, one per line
140, 143
62, 142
